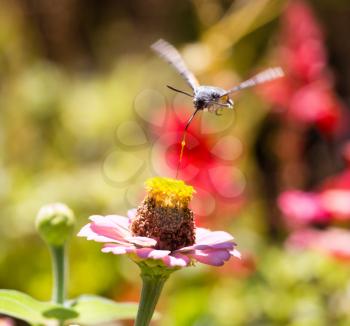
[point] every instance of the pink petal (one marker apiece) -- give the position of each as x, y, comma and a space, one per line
182, 257
235, 253
132, 213
206, 239
201, 232
223, 245
211, 257
176, 260
91, 235
142, 241
204, 236
113, 227
121, 222
118, 249
146, 253
159, 254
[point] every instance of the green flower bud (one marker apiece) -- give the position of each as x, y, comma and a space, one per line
55, 223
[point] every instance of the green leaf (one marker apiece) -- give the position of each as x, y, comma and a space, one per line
94, 310
60, 313
22, 306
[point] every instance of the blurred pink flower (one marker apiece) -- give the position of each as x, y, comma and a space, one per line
337, 203
210, 247
302, 48
329, 204
334, 241
302, 208
5, 321
334, 194
315, 103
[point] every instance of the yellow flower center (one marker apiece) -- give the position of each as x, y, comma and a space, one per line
169, 192
164, 214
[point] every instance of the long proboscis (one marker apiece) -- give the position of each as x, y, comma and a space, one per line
183, 141
262, 77
190, 120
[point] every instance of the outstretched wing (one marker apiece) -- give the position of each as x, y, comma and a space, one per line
172, 56
262, 77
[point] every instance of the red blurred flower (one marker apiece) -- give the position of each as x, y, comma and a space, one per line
207, 164
306, 95
301, 42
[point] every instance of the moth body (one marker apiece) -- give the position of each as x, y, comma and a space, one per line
211, 98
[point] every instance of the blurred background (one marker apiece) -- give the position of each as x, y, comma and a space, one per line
85, 118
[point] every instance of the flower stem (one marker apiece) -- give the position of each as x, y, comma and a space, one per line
152, 285
59, 271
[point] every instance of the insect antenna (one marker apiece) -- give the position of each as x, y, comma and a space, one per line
179, 91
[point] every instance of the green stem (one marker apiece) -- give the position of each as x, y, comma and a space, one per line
59, 271
152, 285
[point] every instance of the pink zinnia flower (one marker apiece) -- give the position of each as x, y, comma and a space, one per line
212, 248
172, 238
161, 237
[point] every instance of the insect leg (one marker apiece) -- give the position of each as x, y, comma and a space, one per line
218, 112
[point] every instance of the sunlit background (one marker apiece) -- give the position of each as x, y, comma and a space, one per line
85, 118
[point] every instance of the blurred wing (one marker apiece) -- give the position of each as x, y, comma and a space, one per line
172, 56
262, 77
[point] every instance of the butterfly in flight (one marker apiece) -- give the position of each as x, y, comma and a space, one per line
209, 98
